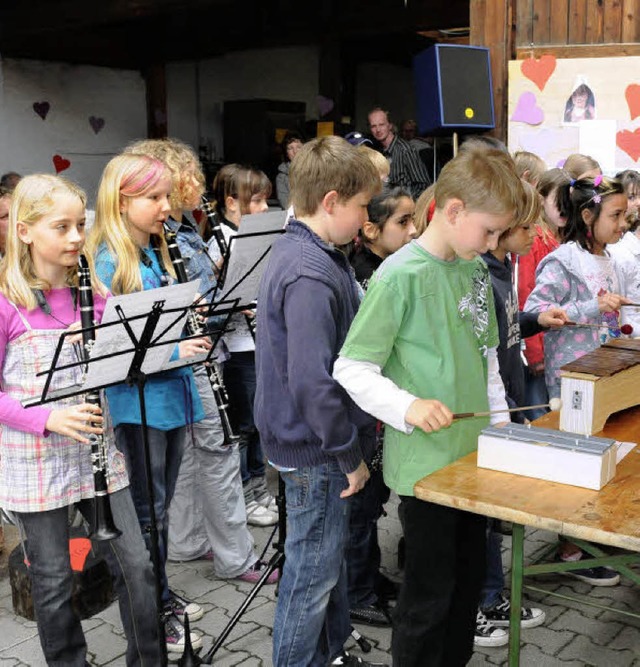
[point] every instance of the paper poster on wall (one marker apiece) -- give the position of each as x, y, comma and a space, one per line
576, 105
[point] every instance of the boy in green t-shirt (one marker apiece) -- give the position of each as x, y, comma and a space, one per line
422, 346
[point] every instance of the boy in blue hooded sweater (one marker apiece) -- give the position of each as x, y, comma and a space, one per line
512, 326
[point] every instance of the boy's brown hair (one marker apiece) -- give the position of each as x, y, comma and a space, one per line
325, 164
484, 180
530, 209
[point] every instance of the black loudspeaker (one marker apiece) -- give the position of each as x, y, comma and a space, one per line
453, 89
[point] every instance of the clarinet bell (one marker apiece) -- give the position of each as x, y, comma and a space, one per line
188, 657
104, 528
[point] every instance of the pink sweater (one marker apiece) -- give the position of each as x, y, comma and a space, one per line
33, 420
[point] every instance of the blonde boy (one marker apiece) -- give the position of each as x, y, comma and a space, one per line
421, 347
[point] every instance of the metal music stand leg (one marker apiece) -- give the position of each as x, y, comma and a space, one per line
140, 381
275, 563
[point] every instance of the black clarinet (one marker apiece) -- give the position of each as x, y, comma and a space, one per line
103, 527
221, 242
195, 328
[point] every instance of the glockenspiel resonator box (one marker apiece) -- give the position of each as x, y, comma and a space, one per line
555, 456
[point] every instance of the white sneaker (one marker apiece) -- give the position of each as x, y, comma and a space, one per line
257, 515
175, 635
487, 634
268, 501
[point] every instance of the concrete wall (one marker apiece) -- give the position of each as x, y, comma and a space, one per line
115, 101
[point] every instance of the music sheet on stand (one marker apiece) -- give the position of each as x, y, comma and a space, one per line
115, 338
248, 255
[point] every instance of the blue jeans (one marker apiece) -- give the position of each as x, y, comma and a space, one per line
47, 546
363, 553
240, 380
494, 576
535, 393
165, 451
311, 622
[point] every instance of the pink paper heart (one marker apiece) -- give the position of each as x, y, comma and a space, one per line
325, 105
96, 123
41, 108
527, 111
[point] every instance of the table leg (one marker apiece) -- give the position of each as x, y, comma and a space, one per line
517, 565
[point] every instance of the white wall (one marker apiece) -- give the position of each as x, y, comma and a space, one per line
74, 93
277, 74
195, 96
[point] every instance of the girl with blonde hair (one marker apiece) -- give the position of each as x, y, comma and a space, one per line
130, 252
43, 470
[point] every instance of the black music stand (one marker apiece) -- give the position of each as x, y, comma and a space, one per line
138, 344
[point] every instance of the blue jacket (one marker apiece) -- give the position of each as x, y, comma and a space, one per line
306, 302
171, 398
513, 325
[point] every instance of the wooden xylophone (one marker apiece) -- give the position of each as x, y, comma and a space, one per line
598, 384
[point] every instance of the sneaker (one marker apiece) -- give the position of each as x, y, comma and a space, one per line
346, 659
488, 634
268, 501
255, 572
257, 515
179, 606
498, 615
371, 614
174, 635
596, 576
262, 496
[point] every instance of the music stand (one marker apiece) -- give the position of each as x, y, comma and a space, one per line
134, 336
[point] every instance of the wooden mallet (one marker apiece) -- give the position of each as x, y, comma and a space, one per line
554, 405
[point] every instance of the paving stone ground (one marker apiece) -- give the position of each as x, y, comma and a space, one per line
575, 634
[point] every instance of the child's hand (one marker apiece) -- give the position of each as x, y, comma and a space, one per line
193, 346
77, 338
429, 415
76, 421
609, 301
553, 318
357, 479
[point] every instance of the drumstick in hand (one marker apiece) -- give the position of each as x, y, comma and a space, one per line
554, 404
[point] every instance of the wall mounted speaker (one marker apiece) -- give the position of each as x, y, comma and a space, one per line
453, 89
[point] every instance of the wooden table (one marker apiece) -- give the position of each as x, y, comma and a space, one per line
610, 516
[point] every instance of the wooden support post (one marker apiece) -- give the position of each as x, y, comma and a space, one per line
156, 83
491, 26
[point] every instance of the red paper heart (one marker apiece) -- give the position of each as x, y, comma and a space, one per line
41, 108
539, 70
96, 123
629, 142
60, 163
632, 93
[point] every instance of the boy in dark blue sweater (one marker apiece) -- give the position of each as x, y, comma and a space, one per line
310, 430
513, 325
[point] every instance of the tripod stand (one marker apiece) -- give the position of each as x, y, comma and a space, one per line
276, 562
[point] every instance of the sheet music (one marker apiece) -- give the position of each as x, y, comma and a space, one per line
115, 338
248, 254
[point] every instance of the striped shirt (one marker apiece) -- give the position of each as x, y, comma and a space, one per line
407, 169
